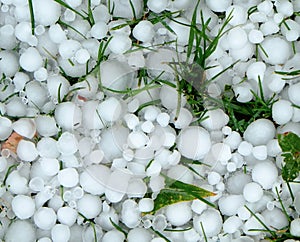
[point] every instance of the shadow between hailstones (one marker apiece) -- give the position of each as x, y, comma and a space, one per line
136, 143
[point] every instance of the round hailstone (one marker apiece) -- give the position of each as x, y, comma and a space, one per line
184, 118
31, 60
179, 214
46, 126
255, 36
57, 86
3, 164
9, 63
16, 183
8, 37
256, 71
82, 56
68, 48
119, 44
275, 218
60, 233
139, 234
293, 93
67, 144
232, 224
210, 222
218, 6
47, 148
238, 15
157, 6
282, 111
5, 128
27, 151
146, 205
194, 142
260, 152
229, 205
110, 109
89, 206
265, 174
25, 127
36, 94
68, 177
168, 96
44, 218
253, 226
237, 38
214, 178
113, 235
20, 230
179, 26
57, 34
221, 152
216, 119
137, 139
23, 206
46, 12
49, 166
277, 49
130, 214
252, 192
295, 227
99, 30
68, 115
136, 188
243, 92
143, 31
36, 184
254, 134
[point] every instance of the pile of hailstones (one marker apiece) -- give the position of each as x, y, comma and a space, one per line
80, 165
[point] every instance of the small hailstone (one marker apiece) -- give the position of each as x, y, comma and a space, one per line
243, 213
228, 205
25, 127
285, 8
3, 164
245, 148
273, 148
292, 35
50, 167
9, 62
5, 128
293, 93
231, 167
67, 144
139, 234
68, 177
147, 126
254, 135
68, 115
89, 206
23, 206
260, 152
136, 188
45, 218
99, 30
252, 192
233, 140
46, 12
218, 6
156, 183
131, 120
216, 119
154, 168
181, 30
184, 118
137, 139
237, 38
130, 214
265, 173
56, 34
119, 44
146, 205
20, 230
179, 213
168, 95
113, 235
275, 218
242, 92
232, 224
41, 74
82, 56
110, 109
47, 148
265, 7
253, 226
31, 60
27, 151
221, 152
255, 36
256, 71
238, 13
213, 178
151, 113
68, 48
60, 233
143, 31
270, 27
36, 184
198, 206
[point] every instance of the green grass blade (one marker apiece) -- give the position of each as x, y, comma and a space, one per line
32, 19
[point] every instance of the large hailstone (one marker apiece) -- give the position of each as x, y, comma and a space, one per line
194, 142
20, 230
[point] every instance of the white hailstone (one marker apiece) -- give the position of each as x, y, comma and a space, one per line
8, 38
50, 166
183, 120
260, 152
110, 109
131, 120
16, 107
25, 127
99, 30
168, 95
137, 139
237, 38
216, 119
130, 214
252, 226
36, 184
139, 234
244, 53
96, 156
209, 222
270, 27
229, 205
154, 168
232, 224
119, 44
89, 206
218, 6
90, 117
265, 174
60, 233
254, 135
117, 185
87, 88
68, 48
46, 126
181, 173
5, 128
221, 152
3, 163
147, 127
19, 80
243, 213
41, 74
45, 218
178, 214
275, 218
46, 12
36, 94
245, 148
23, 206
82, 56
31, 60
255, 36
157, 6
285, 8
143, 31
68, 115
57, 34
198, 206
74, 3
252, 192
214, 178
116, 75
136, 188
27, 151
242, 92
68, 177
236, 182
146, 205
256, 71
20, 230
277, 49
9, 63
67, 144
293, 93
23, 31
47, 148
44, 239
297, 202
273, 148
58, 86
115, 27
194, 142
238, 13
181, 30
113, 235
233, 140
295, 227
151, 113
